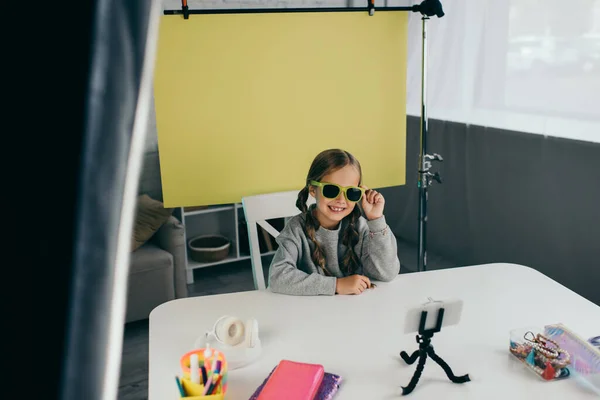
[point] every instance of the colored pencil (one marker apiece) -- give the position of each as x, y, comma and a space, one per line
179, 386
215, 387
207, 386
203, 374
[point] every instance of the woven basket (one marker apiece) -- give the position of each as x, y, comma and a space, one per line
209, 248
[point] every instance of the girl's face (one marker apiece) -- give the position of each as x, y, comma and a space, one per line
330, 212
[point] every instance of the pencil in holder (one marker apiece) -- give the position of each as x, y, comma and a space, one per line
213, 365
195, 391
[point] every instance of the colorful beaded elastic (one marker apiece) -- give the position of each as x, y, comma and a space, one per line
540, 343
558, 362
542, 355
549, 353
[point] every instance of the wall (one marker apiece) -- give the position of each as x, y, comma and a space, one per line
507, 197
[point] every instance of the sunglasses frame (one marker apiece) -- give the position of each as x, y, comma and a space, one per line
343, 189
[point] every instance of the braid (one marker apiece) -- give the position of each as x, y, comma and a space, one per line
302, 197
310, 227
350, 239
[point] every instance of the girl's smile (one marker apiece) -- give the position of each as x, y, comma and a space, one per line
329, 212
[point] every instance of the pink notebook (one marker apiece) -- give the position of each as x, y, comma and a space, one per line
293, 381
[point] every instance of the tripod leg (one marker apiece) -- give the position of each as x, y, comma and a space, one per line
409, 359
446, 368
415, 378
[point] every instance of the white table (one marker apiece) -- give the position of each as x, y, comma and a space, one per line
360, 337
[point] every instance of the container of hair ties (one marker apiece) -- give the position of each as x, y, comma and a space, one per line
540, 353
556, 352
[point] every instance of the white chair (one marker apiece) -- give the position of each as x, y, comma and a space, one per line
260, 208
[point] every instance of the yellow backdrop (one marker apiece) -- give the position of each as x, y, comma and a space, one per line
245, 101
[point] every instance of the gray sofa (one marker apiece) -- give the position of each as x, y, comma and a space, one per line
157, 271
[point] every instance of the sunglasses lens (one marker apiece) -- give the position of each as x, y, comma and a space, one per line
331, 191
354, 194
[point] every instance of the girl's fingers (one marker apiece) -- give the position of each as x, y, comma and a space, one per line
365, 195
372, 196
366, 280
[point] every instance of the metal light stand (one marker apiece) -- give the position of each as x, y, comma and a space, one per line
427, 8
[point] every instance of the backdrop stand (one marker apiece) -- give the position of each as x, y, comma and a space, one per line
427, 8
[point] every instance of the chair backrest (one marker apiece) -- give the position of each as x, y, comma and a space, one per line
260, 208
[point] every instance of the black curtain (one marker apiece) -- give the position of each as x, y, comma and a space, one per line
88, 80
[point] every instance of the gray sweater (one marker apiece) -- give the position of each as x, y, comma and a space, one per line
293, 272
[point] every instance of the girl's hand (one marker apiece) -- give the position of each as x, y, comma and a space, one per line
353, 284
372, 204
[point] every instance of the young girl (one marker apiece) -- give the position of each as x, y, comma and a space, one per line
330, 248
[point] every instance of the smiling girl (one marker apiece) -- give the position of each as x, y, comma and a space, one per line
330, 248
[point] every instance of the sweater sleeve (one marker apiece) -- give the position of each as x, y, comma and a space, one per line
379, 251
286, 278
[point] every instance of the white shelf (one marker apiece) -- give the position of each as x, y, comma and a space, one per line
208, 210
195, 264
268, 253
232, 258
229, 224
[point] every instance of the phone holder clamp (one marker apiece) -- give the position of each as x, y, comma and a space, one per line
426, 349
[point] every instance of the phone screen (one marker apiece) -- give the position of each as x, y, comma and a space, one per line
452, 312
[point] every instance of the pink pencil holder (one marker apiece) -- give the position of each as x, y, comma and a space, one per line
195, 391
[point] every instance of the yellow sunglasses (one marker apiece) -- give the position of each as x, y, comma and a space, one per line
332, 191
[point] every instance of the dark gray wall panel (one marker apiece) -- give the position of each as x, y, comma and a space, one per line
507, 197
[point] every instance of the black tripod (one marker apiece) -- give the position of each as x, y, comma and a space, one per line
426, 349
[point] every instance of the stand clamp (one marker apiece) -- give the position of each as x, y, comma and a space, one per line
426, 166
426, 349
185, 9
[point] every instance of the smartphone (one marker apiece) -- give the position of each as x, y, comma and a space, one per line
452, 312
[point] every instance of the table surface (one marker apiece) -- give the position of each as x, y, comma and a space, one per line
360, 337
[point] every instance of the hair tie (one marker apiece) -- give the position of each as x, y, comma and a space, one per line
532, 336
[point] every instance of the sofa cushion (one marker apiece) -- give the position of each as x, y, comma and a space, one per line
151, 281
150, 216
149, 257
